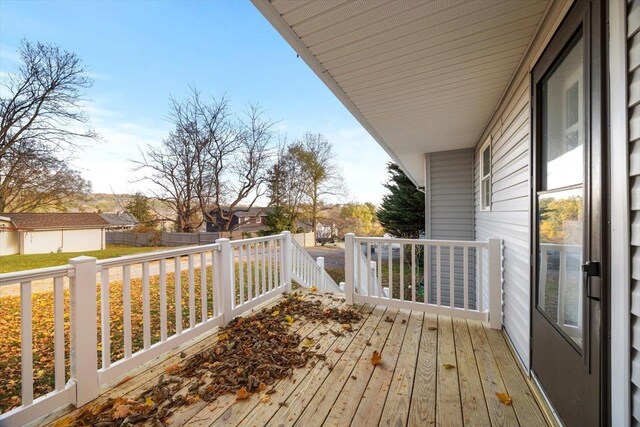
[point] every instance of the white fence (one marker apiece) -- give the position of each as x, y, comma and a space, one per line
428, 275
194, 289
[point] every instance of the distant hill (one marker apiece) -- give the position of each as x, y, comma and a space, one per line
105, 202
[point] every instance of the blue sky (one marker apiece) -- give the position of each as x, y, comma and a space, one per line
141, 52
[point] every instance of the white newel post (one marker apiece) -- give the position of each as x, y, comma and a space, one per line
495, 283
348, 267
225, 284
288, 260
320, 262
84, 318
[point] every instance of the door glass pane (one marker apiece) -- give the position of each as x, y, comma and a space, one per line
560, 203
562, 151
559, 259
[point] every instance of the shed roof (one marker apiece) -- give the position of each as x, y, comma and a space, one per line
40, 221
122, 218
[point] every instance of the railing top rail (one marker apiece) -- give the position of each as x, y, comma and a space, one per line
429, 242
35, 274
156, 255
236, 243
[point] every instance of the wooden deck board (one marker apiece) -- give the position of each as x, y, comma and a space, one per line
448, 407
474, 409
492, 383
344, 408
435, 370
524, 402
396, 408
375, 394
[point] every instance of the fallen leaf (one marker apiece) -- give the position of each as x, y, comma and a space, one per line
288, 319
172, 369
347, 326
242, 394
265, 399
313, 289
337, 350
432, 328
308, 342
376, 358
504, 398
275, 313
262, 386
120, 411
149, 402
448, 366
64, 422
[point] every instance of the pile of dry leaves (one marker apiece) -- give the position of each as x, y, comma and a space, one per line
250, 355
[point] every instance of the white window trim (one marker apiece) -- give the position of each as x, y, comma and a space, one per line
258, 219
486, 175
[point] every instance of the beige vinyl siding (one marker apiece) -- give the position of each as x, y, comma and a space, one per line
509, 217
633, 32
449, 199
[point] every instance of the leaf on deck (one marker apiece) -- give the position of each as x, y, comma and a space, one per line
242, 394
376, 358
504, 398
448, 366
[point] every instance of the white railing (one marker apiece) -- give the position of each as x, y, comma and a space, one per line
165, 297
436, 276
63, 392
568, 291
307, 272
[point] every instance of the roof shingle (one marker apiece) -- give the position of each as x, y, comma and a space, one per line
55, 220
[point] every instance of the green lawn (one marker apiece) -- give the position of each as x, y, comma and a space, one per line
9, 263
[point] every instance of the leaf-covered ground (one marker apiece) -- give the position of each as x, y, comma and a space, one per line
43, 330
249, 356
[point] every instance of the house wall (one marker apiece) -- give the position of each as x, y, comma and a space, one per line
509, 132
449, 215
633, 102
9, 242
47, 241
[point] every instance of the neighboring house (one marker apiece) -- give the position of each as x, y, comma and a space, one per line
36, 233
119, 221
248, 220
326, 230
519, 120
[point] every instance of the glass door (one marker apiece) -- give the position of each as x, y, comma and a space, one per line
567, 218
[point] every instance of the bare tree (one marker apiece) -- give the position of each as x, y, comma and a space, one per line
211, 163
286, 190
240, 170
322, 176
41, 121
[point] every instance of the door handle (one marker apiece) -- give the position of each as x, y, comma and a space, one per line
590, 269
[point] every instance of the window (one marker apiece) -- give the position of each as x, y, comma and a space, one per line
485, 177
258, 220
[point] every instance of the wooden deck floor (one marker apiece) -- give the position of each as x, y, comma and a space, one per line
435, 370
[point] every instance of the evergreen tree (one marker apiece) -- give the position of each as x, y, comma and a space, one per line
140, 207
402, 211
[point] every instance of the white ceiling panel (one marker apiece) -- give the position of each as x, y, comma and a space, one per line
421, 76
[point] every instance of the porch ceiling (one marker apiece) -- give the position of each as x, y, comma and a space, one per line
419, 76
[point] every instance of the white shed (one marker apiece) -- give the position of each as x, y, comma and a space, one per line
36, 233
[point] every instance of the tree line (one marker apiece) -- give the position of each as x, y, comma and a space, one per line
214, 163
